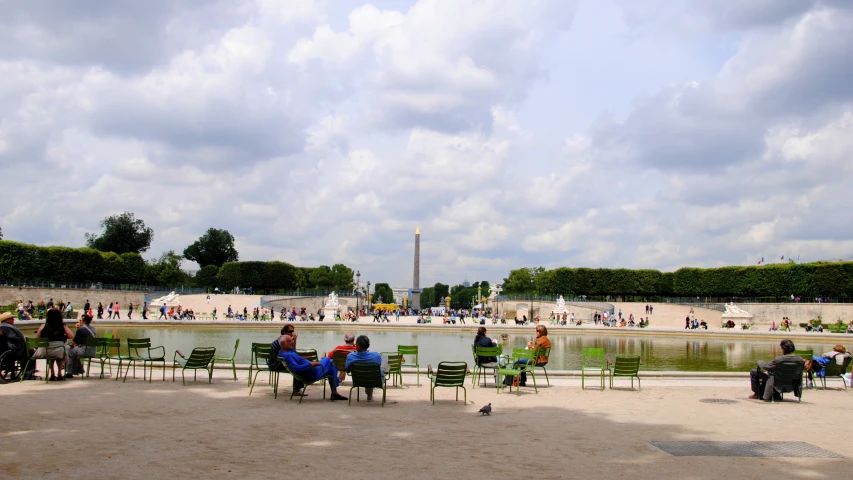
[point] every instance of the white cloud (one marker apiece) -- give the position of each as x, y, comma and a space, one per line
322, 132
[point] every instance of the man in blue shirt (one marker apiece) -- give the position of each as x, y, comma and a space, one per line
362, 343
308, 370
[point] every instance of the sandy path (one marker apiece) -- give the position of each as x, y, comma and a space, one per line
105, 429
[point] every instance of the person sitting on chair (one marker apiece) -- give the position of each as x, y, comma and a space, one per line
762, 382
308, 370
348, 346
77, 349
362, 343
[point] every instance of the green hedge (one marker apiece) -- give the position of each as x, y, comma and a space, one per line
20, 261
261, 276
833, 280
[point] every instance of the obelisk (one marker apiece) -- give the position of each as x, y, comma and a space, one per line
416, 281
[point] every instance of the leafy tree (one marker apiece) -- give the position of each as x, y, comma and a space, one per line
383, 291
215, 247
321, 277
441, 291
342, 278
166, 270
522, 280
122, 234
206, 276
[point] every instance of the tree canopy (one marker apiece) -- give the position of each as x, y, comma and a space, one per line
122, 233
383, 293
215, 247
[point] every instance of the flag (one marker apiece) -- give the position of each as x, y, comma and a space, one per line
783, 257
761, 261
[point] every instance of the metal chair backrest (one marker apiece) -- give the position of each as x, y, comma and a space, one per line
593, 358
450, 374
200, 357
339, 358
626, 365
309, 354
366, 374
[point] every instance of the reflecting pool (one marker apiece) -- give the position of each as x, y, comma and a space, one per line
657, 353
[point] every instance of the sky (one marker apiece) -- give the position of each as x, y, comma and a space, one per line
607, 133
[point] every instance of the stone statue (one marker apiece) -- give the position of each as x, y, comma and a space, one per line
332, 301
495, 290
733, 310
561, 306
170, 299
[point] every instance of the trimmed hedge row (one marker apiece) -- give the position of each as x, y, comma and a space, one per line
261, 276
20, 261
774, 281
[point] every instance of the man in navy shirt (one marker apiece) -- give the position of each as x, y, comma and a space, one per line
362, 343
308, 370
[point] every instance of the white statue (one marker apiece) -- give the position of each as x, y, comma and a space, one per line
332, 302
561, 306
171, 298
495, 290
734, 310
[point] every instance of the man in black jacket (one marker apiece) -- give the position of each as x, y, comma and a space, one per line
763, 381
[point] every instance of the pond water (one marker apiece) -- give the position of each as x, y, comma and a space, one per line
657, 353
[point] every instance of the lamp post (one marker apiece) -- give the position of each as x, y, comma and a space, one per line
357, 287
368, 297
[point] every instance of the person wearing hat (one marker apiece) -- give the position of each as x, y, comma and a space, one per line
9, 334
77, 348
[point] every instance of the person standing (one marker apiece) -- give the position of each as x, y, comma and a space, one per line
100, 311
145, 311
117, 311
162, 313
129, 310
110, 311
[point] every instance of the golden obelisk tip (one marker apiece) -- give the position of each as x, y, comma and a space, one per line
417, 230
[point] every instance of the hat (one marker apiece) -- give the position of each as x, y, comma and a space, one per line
6, 316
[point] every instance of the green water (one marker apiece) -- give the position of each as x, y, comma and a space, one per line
661, 353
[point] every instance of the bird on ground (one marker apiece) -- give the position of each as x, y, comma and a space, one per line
487, 410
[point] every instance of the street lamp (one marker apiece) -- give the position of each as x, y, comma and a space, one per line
368, 297
357, 286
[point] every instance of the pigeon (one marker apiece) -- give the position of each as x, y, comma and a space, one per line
487, 410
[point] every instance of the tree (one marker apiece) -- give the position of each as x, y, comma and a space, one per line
215, 247
321, 277
522, 280
122, 234
166, 270
383, 293
206, 276
342, 278
441, 291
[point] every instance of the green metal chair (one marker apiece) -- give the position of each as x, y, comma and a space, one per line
201, 358
626, 366
229, 360
787, 377
835, 370
261, 355
309, 354
307, 382
140, 350
594, 364
807, 356
114, 345
412, 352
515, 368
339, 358
395, 367
100, 354
366, 374
38, 349
448, 374
543, 352
480, 370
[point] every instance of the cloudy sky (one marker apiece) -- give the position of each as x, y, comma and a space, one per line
605, 133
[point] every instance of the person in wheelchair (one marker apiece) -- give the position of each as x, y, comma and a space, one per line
13, 349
